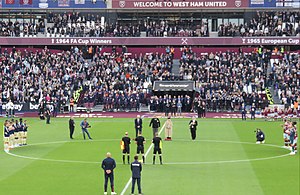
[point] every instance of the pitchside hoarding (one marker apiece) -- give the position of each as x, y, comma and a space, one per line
179, 41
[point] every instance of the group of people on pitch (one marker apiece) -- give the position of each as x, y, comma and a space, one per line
109, 164
290, 136
15, 134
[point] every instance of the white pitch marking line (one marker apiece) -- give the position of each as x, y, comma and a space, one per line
170, 163
147, 152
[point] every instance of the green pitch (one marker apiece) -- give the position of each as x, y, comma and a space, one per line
224, 160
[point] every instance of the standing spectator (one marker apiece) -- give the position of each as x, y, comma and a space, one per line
168, 129
72, 101
244, 112
136, 169
108, 165
138, 123
71, 127
155, 123
157, 148
193, 127
0, 106
179, 106
126, 147
252, 112
48, 114
10, 109
84, 126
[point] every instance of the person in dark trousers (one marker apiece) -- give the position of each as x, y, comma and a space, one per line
126, 147
84, 126
108, 165
71, 127
244, 112
157, 142
48, 115
136, 169
193, 127
252, 111
140, 142
155, 123
260, 136
138, 123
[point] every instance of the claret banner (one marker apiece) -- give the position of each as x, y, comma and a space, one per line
180, 4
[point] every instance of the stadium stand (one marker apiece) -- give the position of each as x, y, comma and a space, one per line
280, 23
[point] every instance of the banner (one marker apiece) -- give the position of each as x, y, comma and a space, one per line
262, 3
63, 3
48, 4
179, 4
79, 1
25, 2
140, 41
174, 86
269, 96
9, 1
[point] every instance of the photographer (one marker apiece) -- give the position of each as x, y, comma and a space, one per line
260, 136
84, 126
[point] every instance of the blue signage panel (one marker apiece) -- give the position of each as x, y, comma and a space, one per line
44, 4
262, 3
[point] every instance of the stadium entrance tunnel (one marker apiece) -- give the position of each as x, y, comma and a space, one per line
174, 88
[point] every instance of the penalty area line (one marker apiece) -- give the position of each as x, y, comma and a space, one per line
147, 152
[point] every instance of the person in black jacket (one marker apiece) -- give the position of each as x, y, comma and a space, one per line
260, 136
71, 127
138, 123
193, 127
108, 165
48, 114
136, 169
155, 123
126, 147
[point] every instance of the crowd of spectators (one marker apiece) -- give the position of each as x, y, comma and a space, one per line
280, 23
92, 25
285, 79
77, 24
227, 80
39, 76
117, 81
121, 82
21, 28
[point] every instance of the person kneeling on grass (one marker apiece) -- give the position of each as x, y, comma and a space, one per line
260, 136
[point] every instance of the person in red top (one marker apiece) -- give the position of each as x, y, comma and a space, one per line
285, 127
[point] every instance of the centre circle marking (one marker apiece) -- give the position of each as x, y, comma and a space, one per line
167, 163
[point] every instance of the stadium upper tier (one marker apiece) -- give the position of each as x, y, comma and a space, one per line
83, 24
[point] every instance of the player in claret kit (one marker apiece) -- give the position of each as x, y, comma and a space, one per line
285, 127
293, 137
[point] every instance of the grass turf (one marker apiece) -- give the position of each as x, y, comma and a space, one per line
206, 166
